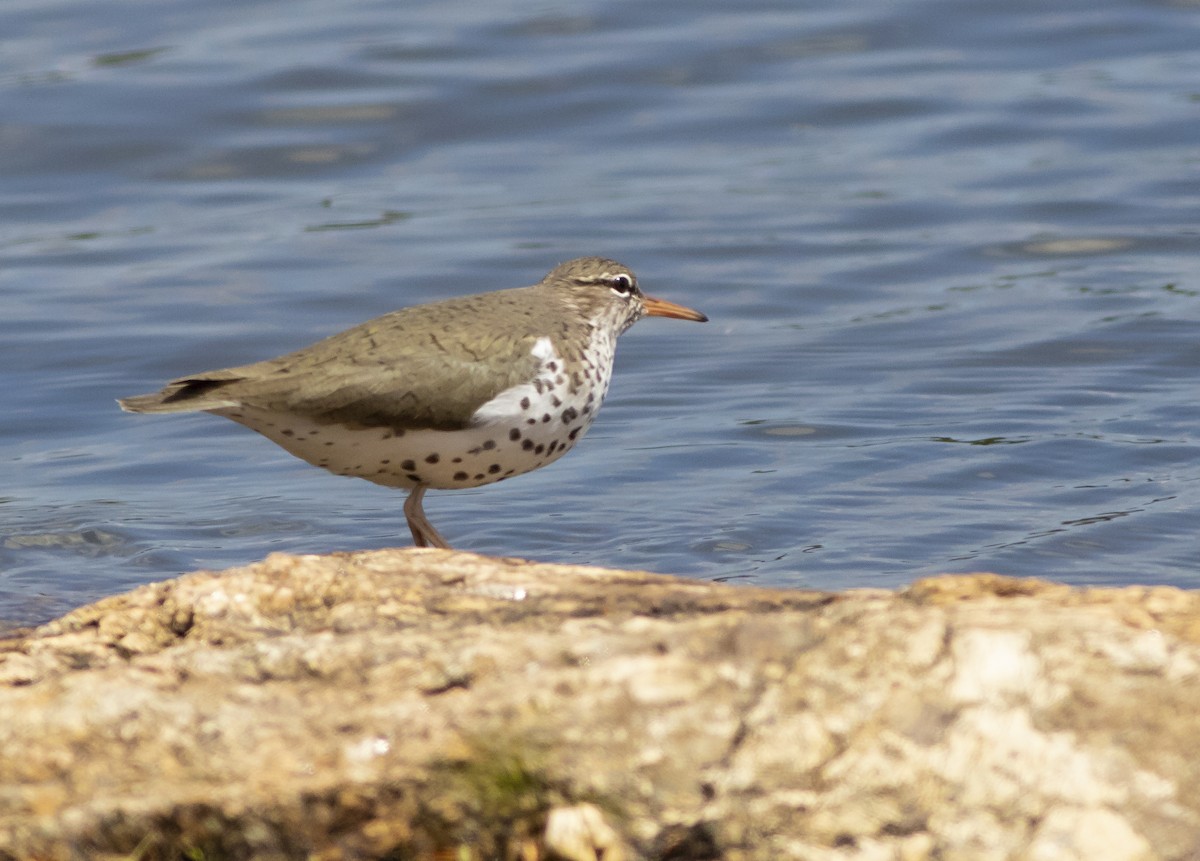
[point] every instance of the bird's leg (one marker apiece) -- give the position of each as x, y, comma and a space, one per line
423, 533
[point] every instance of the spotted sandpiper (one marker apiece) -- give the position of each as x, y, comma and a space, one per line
458, 393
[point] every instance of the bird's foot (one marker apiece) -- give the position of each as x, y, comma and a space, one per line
423, 533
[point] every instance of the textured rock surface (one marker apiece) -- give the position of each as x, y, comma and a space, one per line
415, 703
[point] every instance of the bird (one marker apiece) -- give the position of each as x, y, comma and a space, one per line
453, 394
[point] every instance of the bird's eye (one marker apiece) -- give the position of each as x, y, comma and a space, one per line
621, 284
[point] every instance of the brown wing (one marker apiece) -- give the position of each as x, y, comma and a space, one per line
430, 366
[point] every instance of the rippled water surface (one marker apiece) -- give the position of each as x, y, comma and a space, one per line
949, 251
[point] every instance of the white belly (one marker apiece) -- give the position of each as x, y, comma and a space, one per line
438, 459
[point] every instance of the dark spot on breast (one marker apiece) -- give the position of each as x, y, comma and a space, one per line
550, 448
570, 414
524, 403
288, 432
530, 421
479, 476
384, 462
489, 445
460, 476
546, 417
527, 445
494, 468
407, 465
514, 434
541, 448
552, 366
555, 401
433, 458
456, 460
412, 476
574, 433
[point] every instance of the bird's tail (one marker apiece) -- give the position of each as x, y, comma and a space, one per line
181, 396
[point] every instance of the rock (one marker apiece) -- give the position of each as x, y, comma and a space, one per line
580, 833
434, 704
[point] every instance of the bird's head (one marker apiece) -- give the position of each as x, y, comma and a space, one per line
607, 293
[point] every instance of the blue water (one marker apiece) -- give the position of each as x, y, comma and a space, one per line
949, 250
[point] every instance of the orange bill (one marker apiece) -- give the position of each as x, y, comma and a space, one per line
663, 308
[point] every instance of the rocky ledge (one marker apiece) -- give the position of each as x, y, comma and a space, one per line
432, 704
